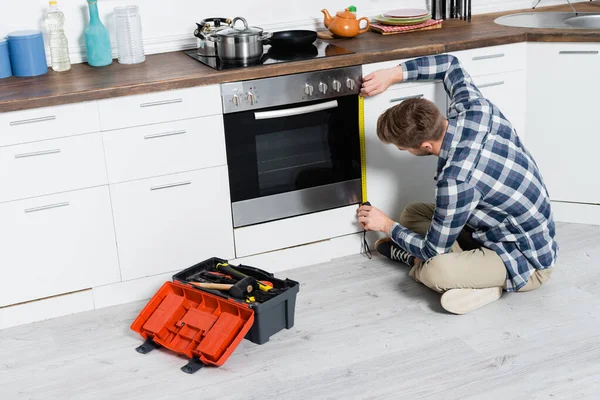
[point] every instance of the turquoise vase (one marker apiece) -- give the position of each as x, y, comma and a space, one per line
97, 39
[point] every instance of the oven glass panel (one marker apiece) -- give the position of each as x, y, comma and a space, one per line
279, 155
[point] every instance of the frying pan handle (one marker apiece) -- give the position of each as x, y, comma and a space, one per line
367, 27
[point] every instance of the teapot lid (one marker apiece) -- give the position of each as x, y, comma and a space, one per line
347, 14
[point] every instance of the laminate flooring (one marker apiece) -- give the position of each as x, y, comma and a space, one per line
364, 330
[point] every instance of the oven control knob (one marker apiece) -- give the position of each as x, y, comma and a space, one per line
251, 98
235, 100
337, 85
350, 84
309, 89
323, 87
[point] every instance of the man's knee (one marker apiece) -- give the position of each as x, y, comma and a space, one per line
437, 272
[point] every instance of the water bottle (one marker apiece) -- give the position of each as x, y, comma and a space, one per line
59, 47
128, 26
97, 39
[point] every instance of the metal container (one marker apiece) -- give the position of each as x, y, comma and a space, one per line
240, 46
207, 47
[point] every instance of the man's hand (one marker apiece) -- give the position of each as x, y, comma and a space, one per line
378, 81
373, 219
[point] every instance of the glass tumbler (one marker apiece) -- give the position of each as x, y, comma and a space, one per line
128, 25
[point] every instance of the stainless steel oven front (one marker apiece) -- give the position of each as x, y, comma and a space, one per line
293, 144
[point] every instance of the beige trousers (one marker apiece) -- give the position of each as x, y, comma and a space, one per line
468, 265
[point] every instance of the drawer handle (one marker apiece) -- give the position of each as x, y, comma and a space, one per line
479, 58
33, 120
578, 52
157, 135
491, 84
170, 185
48, 207
162, 102
416, 96
37, 153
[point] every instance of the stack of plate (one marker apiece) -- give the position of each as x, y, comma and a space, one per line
404, 16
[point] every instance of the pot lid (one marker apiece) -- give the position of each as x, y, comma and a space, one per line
235, 31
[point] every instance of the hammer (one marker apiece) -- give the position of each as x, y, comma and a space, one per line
239, 290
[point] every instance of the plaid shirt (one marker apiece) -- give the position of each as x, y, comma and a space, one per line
486, 181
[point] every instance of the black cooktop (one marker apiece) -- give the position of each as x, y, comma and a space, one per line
273, 55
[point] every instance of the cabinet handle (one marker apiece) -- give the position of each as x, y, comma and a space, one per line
491, 84
479, 58
157, 135
162, 102
48, 207
416, 96
33, 120
578, 52
170, 185
37, 153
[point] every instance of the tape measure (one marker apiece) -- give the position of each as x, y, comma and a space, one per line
363, 150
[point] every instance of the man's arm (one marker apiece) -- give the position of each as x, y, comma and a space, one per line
455, 201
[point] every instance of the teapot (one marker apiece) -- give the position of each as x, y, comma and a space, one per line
344, 24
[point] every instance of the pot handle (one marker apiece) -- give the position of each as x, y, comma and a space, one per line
265, 36
366, 28
236, 19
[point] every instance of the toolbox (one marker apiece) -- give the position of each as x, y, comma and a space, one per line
207, 325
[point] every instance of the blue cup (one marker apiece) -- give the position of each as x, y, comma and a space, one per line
5, 70
27, 54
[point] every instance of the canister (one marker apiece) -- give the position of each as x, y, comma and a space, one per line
5, 69
27, 54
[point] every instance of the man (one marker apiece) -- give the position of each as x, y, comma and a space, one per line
491, 227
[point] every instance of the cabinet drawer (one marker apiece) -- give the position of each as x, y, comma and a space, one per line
172, 222
163, 149
56, 244
51, 166
48, 123
152, 108
494, 59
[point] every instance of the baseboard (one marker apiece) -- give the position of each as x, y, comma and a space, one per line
52, 307
577, 213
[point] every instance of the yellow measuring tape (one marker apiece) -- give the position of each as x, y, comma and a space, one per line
363, 150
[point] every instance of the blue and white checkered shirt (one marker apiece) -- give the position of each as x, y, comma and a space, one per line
486, 180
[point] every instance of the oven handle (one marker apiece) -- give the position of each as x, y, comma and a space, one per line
288, 112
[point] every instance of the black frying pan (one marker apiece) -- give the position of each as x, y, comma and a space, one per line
292, 38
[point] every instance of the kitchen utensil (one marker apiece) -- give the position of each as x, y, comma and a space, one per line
292, 38
406, 13
206, 27
27, 54
240, 46
344, 24
397, 22
5, 69
293, 53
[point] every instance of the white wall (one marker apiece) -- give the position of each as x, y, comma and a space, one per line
169, 25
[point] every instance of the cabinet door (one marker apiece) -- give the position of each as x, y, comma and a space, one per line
172, 222
396, 178
56, 244
507, 91
563, 118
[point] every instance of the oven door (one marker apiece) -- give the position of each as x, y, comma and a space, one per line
292, 160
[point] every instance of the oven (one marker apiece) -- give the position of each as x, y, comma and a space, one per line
293, 144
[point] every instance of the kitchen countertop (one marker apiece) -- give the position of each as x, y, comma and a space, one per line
176, 70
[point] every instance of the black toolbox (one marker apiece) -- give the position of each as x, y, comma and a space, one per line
269, 317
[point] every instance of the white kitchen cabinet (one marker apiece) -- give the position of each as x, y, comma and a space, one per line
396, 178
507, 90
51, 166
56, 244
172, 222
493, 59
564, 118
166, 148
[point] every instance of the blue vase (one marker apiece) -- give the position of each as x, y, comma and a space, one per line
97, 39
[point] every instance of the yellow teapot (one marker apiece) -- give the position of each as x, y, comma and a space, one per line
344, 24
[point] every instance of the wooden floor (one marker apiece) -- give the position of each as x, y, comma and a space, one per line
363, 330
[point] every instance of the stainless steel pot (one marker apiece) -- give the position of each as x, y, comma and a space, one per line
206, 28
240, 46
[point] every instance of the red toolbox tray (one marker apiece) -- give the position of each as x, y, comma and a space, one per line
202, 326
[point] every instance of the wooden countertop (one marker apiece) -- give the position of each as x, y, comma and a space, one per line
177, 70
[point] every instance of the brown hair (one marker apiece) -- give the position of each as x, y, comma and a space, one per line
411, 123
